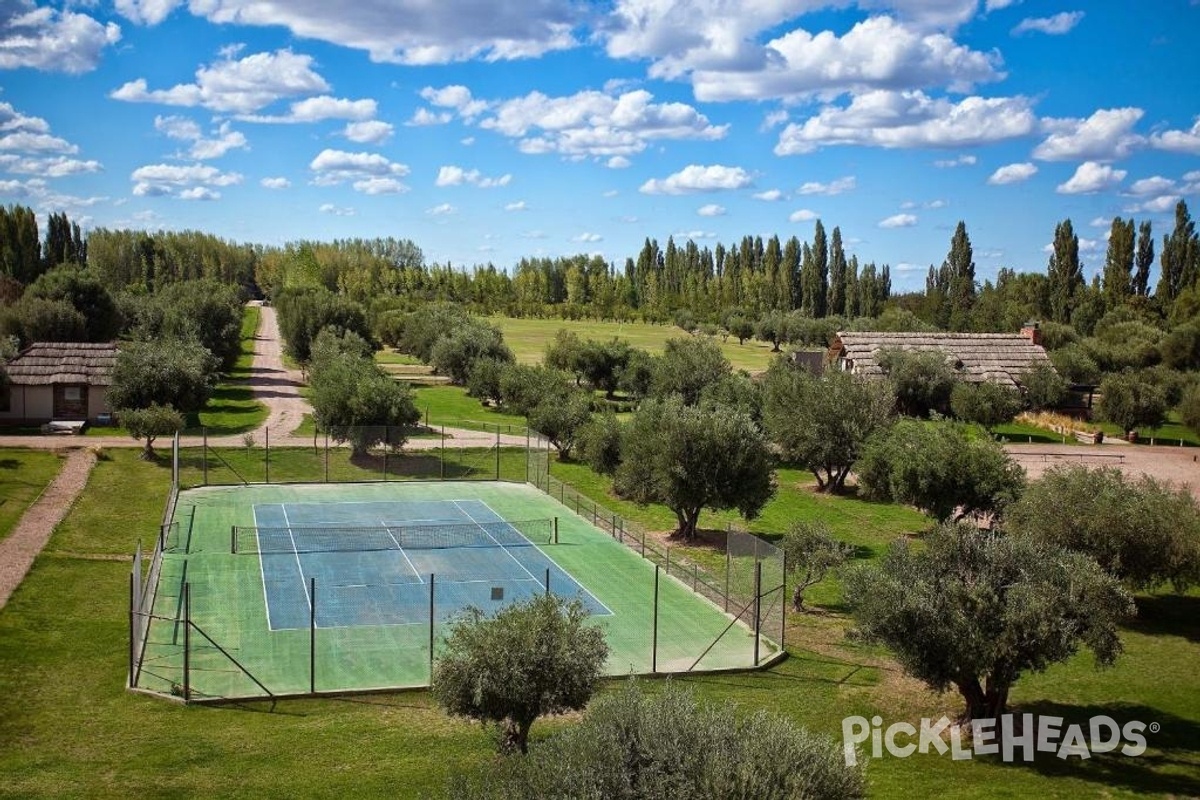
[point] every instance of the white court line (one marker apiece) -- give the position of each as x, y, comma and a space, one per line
411, 565
493, 538
262, 569
546, 556
296, 552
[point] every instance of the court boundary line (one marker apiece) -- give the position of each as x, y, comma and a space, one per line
296, 552
408, 560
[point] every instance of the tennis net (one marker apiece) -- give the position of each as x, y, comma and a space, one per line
360, 538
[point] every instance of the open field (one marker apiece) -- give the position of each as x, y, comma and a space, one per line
23, 476
68, 727
528, 339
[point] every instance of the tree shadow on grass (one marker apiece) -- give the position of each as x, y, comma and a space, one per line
9, 463
1167, 615
1170, 765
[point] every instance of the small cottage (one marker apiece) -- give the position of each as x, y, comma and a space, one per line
58, 381
997, 357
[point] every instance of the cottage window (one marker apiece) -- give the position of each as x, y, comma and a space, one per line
71, 394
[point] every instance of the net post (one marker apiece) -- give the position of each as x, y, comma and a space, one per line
654, 629
312, 635
187, 642
267, 453
431, 596
757, 607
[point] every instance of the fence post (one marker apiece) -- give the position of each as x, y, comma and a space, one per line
431, 578
187, 642
204, 453
654, 634
132, 630
757, 607
267, 453
728, 565
497, 452
387, 448
327, 456
527, 455
547, 580
312, 636
442, 459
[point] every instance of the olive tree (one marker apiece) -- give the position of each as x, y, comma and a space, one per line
668, 745
985, 403
560, 420
976, 611
922, 380
690, 458
811, 552
147, 424
821, 423
532, 658
1143, 531
167, 372
1133, 400
355, 401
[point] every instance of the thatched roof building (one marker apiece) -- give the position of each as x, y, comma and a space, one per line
997, 357
48, 363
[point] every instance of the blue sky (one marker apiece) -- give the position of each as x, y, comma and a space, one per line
487, 131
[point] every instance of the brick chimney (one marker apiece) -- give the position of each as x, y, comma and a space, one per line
1032, 331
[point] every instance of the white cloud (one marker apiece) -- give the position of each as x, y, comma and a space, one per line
909, 119
517, 206
839, 186
697, 178
423, 118
593, 123
223, 140
146, 12
711, 210
877, 53
181, 180
1158, 205
996, 5
588, 238
414, 32
961, 161
457, 176
1056, 25
371, 131
1155, 185
27, 142
50, 167
898, 221
1091, 177
275, 183
243, 86
803, 215
1104, 136
1179, 141
13, 120
618, 162
333, 167
1012, 173
456, 97
337, 211
770, 195
51, 40
442, 210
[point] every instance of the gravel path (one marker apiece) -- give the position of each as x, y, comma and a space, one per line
33, 530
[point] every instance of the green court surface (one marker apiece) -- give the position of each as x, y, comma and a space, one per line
253, 625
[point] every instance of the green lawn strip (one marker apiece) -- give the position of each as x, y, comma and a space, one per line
528, 339
24, 475
389, 355
122, 504
1172, 433
232, 408
450, 406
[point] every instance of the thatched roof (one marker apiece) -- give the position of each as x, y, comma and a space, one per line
997, 357
45, 363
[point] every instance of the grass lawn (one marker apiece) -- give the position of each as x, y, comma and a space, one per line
68, 727
450, 406
232, 409
528, 339
1173, 432
24, 474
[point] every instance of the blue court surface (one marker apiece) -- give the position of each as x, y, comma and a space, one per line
392, 586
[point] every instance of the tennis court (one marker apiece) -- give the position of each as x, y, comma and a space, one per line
297, 589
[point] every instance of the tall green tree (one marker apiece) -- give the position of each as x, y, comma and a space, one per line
1118, 264
1144, 260
1133, 399
975, 611
532, 658
1065, 273
20, 245
179, 373
837, 275
690, 458
84, 291
814, 276
960, 268
64, 242
1180, 259
686, 367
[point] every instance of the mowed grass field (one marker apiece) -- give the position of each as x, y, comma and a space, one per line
69, 728
24, 474
528, 339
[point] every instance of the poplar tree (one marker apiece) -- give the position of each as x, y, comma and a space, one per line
837, 275
1064, 272
960, 279
1144, 260
1118, 264
1180, 260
